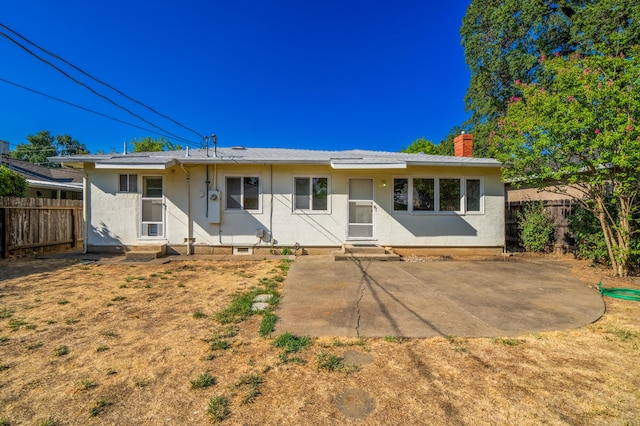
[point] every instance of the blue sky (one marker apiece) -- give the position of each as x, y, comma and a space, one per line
293, 74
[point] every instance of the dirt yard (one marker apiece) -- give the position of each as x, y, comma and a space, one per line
88, 344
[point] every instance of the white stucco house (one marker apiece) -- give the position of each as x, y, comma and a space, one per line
252, 200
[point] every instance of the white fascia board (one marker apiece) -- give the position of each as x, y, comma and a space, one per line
341, 165
130, 166
54, 185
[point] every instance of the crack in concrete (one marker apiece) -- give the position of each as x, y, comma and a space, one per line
363, 287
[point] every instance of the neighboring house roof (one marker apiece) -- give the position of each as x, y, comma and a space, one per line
37, 173
350, 159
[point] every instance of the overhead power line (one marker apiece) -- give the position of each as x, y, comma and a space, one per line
100, 81
96, 112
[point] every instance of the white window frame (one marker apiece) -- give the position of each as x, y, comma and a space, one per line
128, 190
310, 210
481, 179
437, 210
242, 177
143, 223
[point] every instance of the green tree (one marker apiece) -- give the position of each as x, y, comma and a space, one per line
12, 184
504, 41
423, 146
44, 144
582, 131
69, 146
39, 147
149, 144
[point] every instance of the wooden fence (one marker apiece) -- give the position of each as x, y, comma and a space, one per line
36, 225
559, 210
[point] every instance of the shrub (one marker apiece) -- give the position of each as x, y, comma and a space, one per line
586, 230
218, 408
536, 227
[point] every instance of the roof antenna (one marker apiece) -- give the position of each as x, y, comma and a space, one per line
206, 138
215, 144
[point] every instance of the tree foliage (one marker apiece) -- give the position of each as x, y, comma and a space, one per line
12, 184
44, 144
582, 130
504, 41
149, 144
423, 146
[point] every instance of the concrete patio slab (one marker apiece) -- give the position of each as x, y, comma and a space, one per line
437, 298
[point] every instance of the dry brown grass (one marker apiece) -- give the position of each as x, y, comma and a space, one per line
139, 348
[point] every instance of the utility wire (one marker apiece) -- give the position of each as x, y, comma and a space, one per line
5, 35
95, 112
100, 81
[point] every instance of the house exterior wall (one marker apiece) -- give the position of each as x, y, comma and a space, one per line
114, 217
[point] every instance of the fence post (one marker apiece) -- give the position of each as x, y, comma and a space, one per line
73, 227
4, 233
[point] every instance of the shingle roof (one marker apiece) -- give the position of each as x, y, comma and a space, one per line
239, 155
41, 173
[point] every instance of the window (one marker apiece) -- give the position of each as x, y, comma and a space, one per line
437, 195
243, 193
311, 193
128, 183
152, 207
423, 194
401, 195
473, 195
450, 194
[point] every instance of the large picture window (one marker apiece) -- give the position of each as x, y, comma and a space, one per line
311, 193
152, 207
432, 194
242, 193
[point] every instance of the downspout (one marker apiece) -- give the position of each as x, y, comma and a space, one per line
189, 223
271, 207
86, 213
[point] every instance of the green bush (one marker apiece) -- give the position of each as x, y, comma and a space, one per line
586, 229
536, 227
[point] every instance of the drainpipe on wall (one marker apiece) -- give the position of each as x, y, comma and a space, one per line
189, 224
86, 212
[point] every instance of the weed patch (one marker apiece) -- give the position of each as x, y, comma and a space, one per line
268, 324
6, 313
102, 348
86, 385
198, 314
118, 298
61, 350
36, 345
49, 421
205, 380
72, 321
291, 343
218, 408
99, 407
63, 302
507, 341
16, 323
3, 340
253, 382
391, 339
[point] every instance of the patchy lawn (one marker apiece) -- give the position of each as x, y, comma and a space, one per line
142, 344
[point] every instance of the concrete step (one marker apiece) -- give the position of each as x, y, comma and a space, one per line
381, 257
362, 249
145, 253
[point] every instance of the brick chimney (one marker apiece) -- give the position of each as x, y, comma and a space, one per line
463, 145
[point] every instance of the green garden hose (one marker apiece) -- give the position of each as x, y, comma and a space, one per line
620, 293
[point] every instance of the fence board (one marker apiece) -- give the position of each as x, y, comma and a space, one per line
29, 225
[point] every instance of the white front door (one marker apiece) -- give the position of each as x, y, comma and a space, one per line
361, 209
